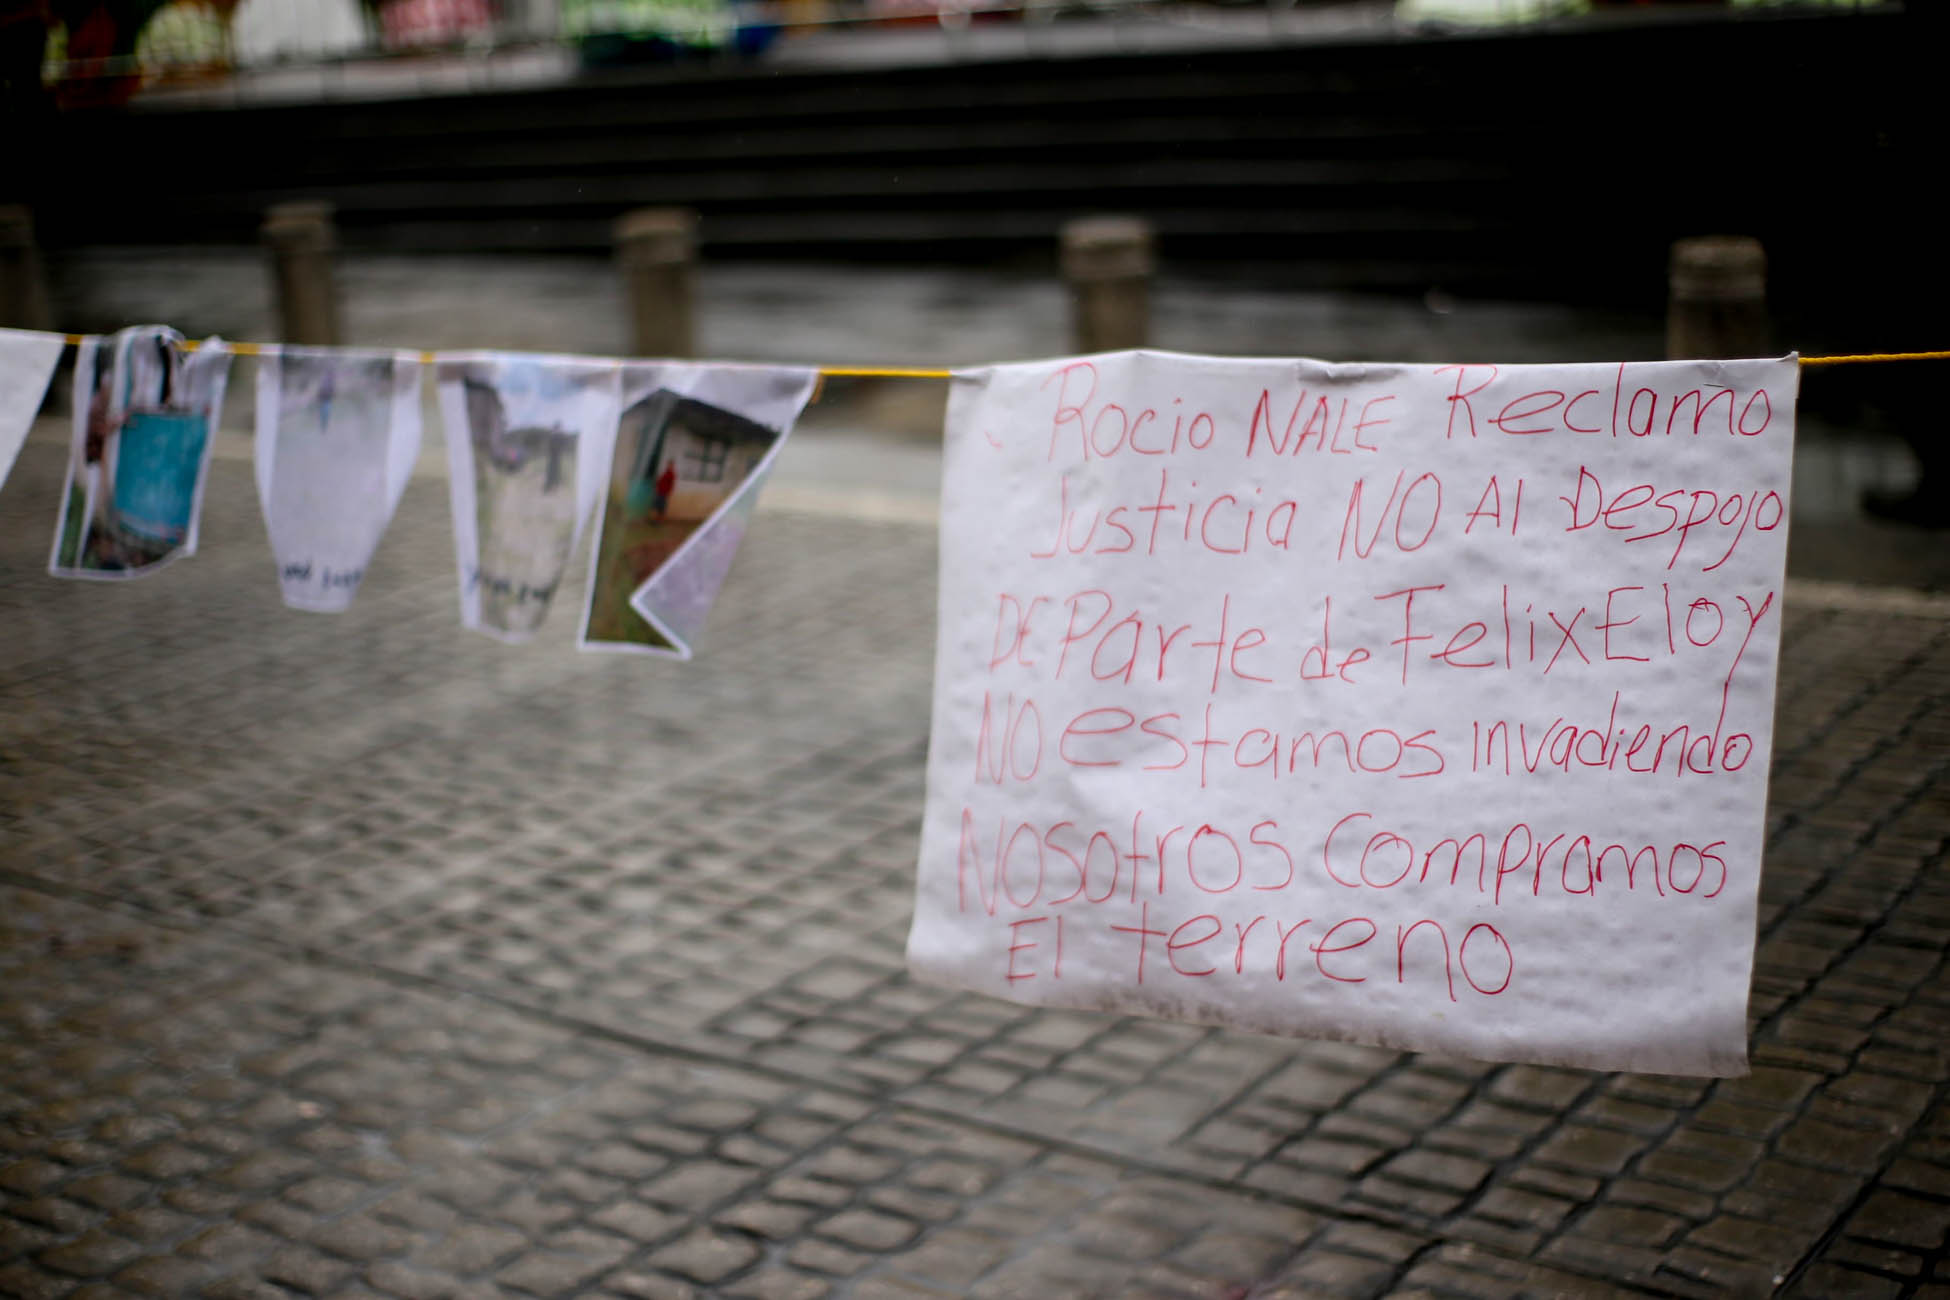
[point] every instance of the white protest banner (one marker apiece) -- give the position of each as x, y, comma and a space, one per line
337, 434
145, 410
528, 448
26, 364
1426, 706
692, 450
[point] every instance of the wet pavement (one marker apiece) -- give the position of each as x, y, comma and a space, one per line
358, 955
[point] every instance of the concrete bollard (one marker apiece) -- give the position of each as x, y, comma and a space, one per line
301, 240
1108, 263
657, 249
23, 286
1717, 303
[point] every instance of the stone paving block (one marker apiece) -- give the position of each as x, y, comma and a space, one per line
307, 1271
868, 1230
162, 1275
1332, 1156
887, 1288
1305, 1186
1691, 1269
1897, 1218
1514, 1205
468, 1249
1323, 1272
780, 1283
32, 1174
1554, 1182
55, 1212
1929, 1177
689, 1185
359, 1239
1606, 1259
1539, 1087
1586, 1149
1416, 1204
1612, 1111
227, 1245
92, 1254
1454, 1173
826, 1258
1232, 1256
1048, 1267
393, 1278
1830, 1280
1630, 1226
639, 1285
241, 1287
1464, 1270
1494, 1235
1874, 1258
1125, 1236
1768, 1244
1903, 1099
1817, 1142
953, 1257
549, 1273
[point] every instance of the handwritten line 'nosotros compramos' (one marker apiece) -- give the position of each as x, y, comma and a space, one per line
1023, 864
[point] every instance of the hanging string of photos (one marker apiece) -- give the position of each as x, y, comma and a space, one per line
666, 457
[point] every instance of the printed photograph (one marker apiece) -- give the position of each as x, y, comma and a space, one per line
327, 498
678, 597
142, 434
524, 510
677, 461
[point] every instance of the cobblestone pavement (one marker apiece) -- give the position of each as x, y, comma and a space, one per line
363, 956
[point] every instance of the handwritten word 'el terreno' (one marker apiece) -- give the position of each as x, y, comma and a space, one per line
1329, 419
1330, 944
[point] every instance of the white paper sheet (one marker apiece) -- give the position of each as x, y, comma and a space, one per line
693, 446
1427, 706
528, 446
27, 360
145, 419
338, 431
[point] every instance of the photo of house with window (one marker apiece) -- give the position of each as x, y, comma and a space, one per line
677, 461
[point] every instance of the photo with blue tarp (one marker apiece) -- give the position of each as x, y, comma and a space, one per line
145, 409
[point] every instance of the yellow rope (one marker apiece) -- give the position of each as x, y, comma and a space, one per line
915, 372
1875, 356
882, 372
